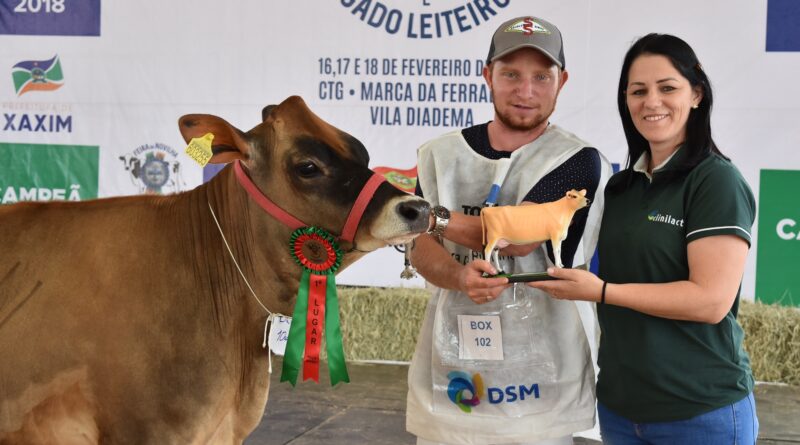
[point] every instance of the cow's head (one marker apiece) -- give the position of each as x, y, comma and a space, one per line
577, 199
313, 171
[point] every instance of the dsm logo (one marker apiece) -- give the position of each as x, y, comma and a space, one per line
37, 75
466, 392
154, 169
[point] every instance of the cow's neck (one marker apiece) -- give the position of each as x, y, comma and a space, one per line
259, 246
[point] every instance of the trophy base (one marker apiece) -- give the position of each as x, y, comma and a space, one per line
523, 277
527, 277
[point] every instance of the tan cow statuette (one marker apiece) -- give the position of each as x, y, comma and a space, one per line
126, 321
526, 224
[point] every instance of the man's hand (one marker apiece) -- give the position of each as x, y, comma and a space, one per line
479, 289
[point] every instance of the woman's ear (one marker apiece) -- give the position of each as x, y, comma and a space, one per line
697, 96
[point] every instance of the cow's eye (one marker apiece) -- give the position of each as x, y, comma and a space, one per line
307, 169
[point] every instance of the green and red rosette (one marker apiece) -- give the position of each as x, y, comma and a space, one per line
317, 307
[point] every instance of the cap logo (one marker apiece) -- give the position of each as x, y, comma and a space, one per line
527, 27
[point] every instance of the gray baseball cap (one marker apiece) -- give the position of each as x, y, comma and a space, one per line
527, 32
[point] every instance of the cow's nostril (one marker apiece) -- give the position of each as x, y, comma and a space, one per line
413, 210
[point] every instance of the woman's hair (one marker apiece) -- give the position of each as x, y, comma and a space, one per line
699, 143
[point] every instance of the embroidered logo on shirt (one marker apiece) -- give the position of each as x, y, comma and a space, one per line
656, 216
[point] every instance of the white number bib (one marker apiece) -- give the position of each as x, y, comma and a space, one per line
480, 337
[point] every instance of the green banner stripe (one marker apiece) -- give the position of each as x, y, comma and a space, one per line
777, 280
62, 171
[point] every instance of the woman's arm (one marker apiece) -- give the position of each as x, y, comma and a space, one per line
716, 266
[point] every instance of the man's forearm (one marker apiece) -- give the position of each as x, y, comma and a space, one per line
434, 262
465, 230
468, 231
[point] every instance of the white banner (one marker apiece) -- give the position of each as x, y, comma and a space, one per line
393, 73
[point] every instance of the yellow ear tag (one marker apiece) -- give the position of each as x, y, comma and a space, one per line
199, 149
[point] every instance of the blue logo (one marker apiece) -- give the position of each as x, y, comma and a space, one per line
512, 393
467, 391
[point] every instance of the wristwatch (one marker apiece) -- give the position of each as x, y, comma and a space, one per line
442, 218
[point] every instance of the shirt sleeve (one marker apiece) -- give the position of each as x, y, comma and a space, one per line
581, 171
720, 203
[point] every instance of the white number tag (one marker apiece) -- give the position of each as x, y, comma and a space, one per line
279, 333
480, 337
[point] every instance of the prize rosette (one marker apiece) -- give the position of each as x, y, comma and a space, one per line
317, 308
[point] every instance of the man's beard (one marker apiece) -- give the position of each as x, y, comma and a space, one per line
510, 123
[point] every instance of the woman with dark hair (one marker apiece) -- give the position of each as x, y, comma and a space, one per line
673, 242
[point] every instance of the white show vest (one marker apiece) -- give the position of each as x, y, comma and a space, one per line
544, 386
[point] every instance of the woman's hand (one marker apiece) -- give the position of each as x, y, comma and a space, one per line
571, 284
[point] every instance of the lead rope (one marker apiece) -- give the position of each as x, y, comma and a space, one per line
271, 316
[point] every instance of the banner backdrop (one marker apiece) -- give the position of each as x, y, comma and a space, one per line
777, 280
394, 73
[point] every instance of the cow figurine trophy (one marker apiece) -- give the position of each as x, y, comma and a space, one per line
140, 319
526, 224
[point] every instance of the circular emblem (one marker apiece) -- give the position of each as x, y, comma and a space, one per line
38, 75
315, 250
155, 172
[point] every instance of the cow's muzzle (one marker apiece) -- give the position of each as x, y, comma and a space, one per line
415, 213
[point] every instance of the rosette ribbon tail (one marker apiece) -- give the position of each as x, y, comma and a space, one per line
296, 341
337, 367
316, 309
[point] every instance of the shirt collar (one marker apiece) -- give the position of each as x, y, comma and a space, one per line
644, 159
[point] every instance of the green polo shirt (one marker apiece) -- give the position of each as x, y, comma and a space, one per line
655, 369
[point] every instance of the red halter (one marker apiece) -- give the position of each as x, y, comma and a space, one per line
350, 226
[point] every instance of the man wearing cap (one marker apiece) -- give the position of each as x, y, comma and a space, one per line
495, 363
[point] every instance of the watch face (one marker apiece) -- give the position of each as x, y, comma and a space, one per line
441, 212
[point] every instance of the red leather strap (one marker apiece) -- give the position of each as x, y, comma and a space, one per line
265, 203
351, 225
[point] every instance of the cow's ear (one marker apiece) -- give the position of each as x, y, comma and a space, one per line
229, 143
267, 111
582, 192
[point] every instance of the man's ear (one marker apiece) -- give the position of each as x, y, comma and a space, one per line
229, 143
487, 75
562, 79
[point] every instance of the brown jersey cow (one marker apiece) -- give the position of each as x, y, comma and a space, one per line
526, 224
125, 320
